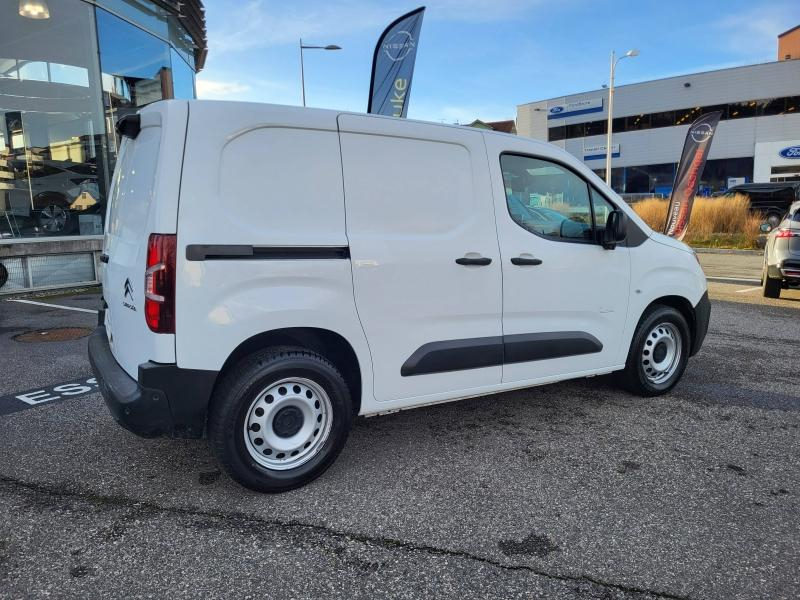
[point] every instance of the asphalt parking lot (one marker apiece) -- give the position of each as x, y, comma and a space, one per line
566, 491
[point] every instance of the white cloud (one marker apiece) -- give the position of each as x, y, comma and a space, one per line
220, 90
754, 33
477, 10
463, 114
262, 24
266, 23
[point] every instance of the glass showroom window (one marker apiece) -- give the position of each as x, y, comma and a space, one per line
182, 77
135, 65
52, 171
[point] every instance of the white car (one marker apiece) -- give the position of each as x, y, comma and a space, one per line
273, 271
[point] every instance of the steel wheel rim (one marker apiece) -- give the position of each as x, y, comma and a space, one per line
273, 416
661, 353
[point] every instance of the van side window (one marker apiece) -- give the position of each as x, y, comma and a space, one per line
602, 208
547, 199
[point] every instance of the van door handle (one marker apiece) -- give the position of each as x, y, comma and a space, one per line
104, 258
525, 260
480, 261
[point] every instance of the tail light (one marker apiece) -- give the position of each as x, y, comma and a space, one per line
787, 233
159, 283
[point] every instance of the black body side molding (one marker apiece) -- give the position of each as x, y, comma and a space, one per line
200, 252
454, 355
474, 353
526, 347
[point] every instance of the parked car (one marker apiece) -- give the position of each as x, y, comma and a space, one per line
782, 255
771, 200
61, 190
272, 272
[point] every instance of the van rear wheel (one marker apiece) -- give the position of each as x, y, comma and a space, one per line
659, 352
279, 419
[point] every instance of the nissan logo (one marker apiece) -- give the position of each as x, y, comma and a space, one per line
702, 133
399, 45
790, 152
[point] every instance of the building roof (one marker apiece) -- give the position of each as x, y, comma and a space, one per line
507, 126
788, 31
634, 84
192, 16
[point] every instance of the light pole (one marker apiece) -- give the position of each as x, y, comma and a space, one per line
302, 74
610, 128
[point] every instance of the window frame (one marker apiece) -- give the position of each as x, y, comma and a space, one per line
590, 188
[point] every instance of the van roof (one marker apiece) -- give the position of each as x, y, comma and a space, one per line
361, 114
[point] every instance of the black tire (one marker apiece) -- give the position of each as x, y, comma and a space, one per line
771, 288
236, 392
634, 378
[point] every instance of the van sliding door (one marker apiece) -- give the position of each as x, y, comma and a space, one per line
426, 269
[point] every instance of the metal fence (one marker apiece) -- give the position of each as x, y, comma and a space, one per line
46, 271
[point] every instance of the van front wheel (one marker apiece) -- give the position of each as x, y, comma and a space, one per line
279, 419
659, 352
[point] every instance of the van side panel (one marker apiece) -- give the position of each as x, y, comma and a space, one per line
262, 191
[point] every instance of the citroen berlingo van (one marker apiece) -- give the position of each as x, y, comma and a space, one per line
271, 272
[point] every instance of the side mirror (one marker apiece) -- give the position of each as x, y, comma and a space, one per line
765, 228
616, 229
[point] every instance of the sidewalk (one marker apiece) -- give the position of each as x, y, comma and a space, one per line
744, 268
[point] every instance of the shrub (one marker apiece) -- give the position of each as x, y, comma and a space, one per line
714, 221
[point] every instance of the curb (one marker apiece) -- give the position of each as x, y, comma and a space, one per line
734, 280
728, 251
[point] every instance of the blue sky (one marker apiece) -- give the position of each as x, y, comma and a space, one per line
478, 58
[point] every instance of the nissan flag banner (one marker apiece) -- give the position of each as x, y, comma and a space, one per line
393, 65
693, 160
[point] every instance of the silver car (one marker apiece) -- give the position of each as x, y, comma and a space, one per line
782, 255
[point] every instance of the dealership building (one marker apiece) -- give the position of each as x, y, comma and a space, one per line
754, 142
69, 69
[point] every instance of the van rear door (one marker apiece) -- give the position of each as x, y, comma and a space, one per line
143, 200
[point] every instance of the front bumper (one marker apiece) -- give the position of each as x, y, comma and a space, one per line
165, 401
702, 316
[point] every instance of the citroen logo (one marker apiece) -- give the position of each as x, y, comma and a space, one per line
128, 289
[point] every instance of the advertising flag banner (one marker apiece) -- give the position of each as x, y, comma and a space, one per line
393, 65
690, 168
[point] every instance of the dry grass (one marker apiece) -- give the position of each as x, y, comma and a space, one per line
714, 221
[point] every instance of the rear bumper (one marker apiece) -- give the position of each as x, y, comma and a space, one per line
790, 269
702, 316
165, 401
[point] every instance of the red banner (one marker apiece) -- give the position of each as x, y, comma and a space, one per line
687, 177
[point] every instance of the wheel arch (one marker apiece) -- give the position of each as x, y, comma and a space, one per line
333, 346
683, 306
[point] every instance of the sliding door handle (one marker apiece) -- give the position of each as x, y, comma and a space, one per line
525, 260
480, 261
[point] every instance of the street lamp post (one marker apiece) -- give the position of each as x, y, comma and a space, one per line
610, 128
302, 74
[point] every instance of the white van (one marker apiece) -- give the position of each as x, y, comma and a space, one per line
273, 271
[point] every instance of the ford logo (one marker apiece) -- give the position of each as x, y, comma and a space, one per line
556, 109
790, 152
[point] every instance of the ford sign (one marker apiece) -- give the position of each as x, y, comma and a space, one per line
790, 152
556, 109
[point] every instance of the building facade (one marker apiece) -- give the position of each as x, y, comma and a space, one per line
69, 69
760, 107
